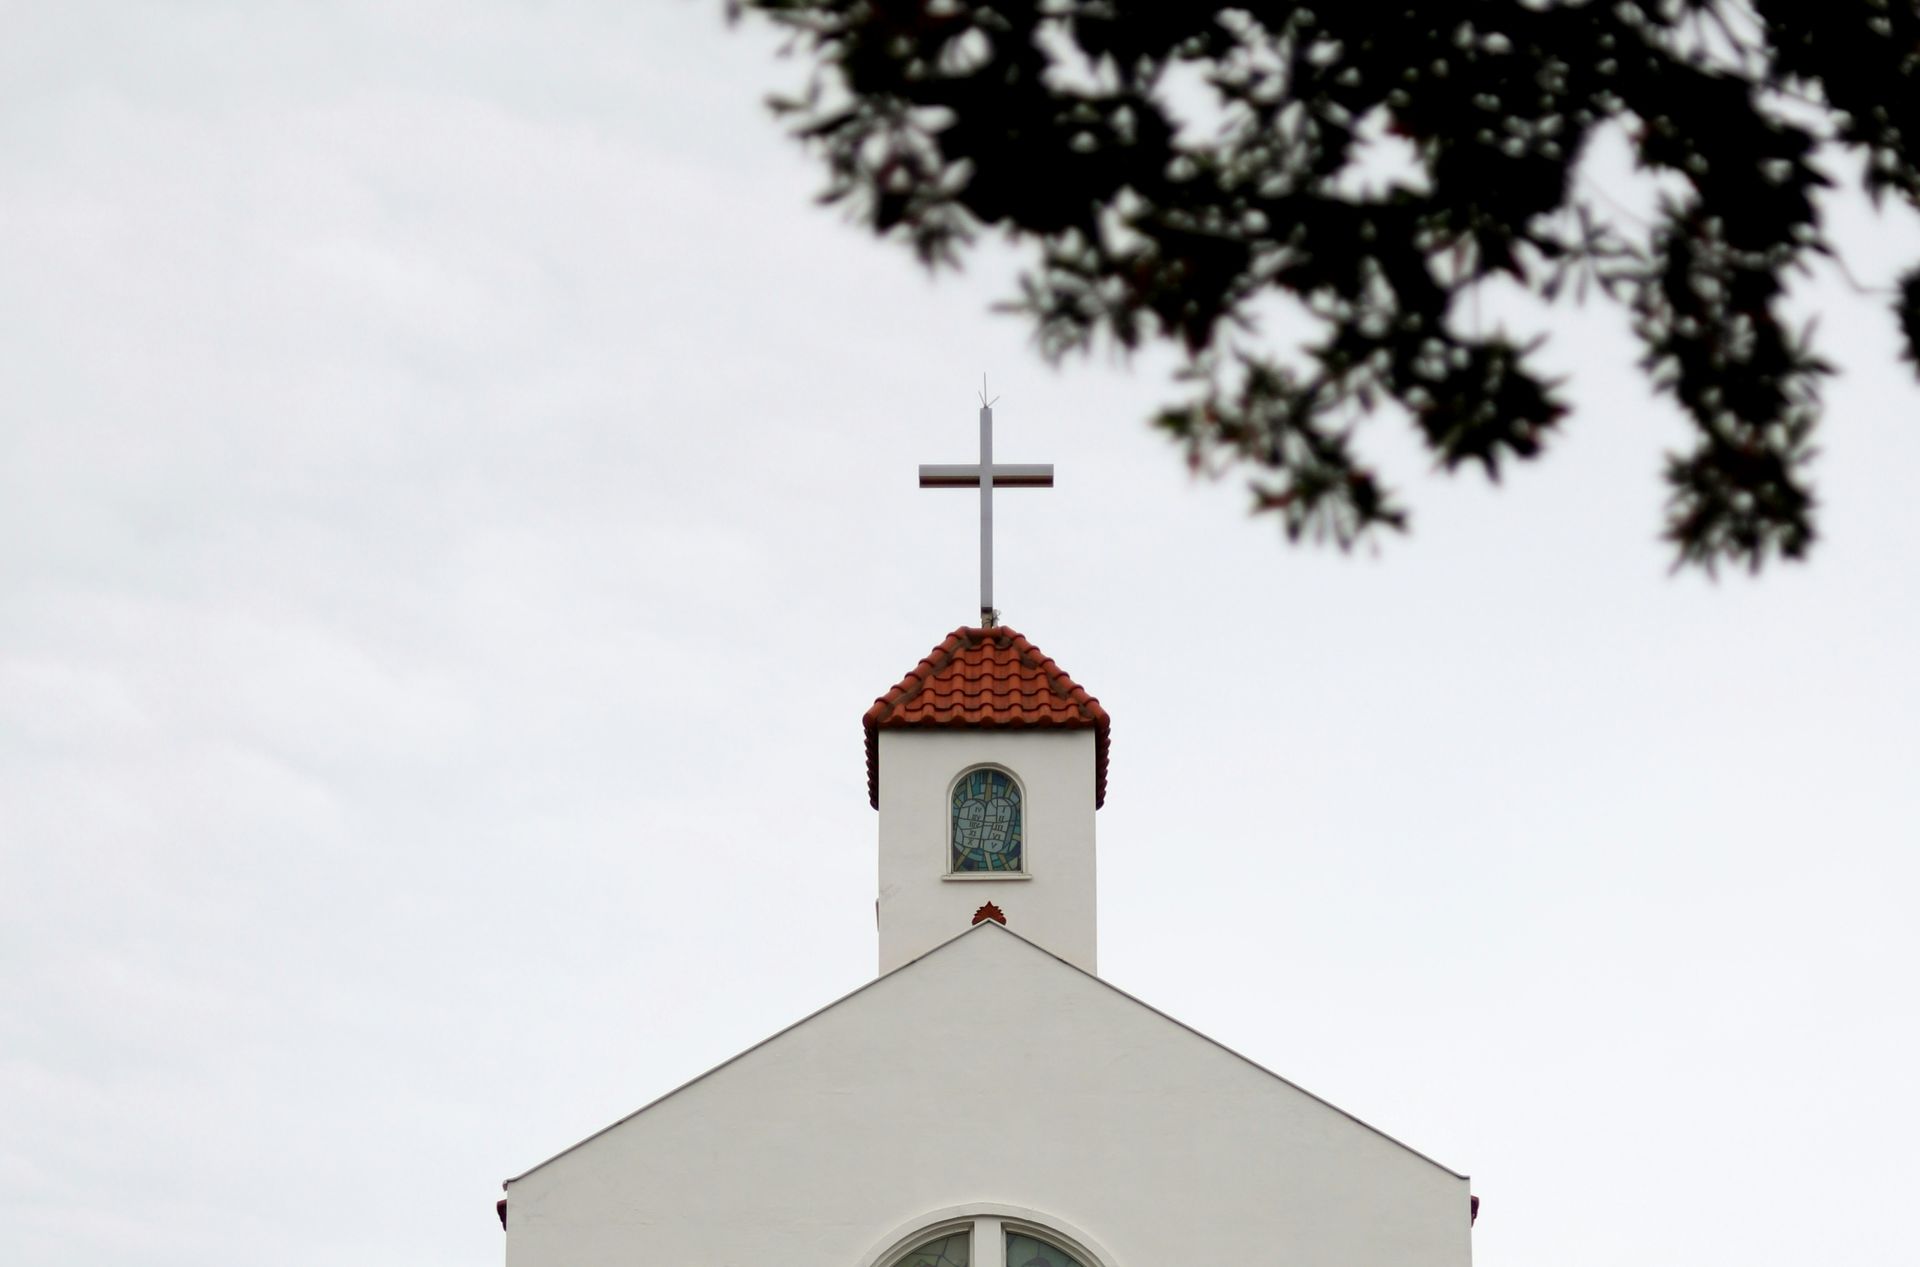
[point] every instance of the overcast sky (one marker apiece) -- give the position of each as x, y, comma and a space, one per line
457, 499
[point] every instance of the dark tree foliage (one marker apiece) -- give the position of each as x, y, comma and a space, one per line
1175, 163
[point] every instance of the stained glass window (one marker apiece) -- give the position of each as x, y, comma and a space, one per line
986, 822
949, 1250
1027, 1251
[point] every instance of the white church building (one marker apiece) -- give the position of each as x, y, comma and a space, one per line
988, 1100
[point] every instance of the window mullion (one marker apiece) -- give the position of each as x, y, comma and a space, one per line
989, 1244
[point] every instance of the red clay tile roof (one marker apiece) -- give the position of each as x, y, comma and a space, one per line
987, 677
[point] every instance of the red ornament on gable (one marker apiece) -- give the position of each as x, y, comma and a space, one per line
992, 912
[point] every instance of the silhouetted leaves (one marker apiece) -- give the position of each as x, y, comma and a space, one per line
1176, 164
1908, 312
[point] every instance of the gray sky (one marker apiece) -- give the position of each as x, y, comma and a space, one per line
457, 499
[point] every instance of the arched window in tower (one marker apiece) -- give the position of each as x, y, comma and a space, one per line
986, 826
949, 1249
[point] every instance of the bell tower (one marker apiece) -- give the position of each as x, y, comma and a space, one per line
986, 763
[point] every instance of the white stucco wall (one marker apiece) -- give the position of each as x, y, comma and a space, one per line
921, 906
988, 1074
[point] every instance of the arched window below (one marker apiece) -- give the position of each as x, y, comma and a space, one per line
1027, 1250
948, 1249
987, 1236
986, 828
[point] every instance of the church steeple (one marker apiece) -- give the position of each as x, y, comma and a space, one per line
986, 763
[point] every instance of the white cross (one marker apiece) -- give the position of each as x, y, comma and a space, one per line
986, 476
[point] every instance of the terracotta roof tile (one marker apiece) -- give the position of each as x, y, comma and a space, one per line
987, 677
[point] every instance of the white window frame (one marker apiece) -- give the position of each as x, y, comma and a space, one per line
989, 1225
1026, 852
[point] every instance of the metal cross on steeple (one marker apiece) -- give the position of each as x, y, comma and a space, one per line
986, 477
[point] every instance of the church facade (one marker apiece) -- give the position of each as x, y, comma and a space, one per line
988, 1100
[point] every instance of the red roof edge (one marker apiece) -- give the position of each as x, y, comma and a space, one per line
1071, 707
